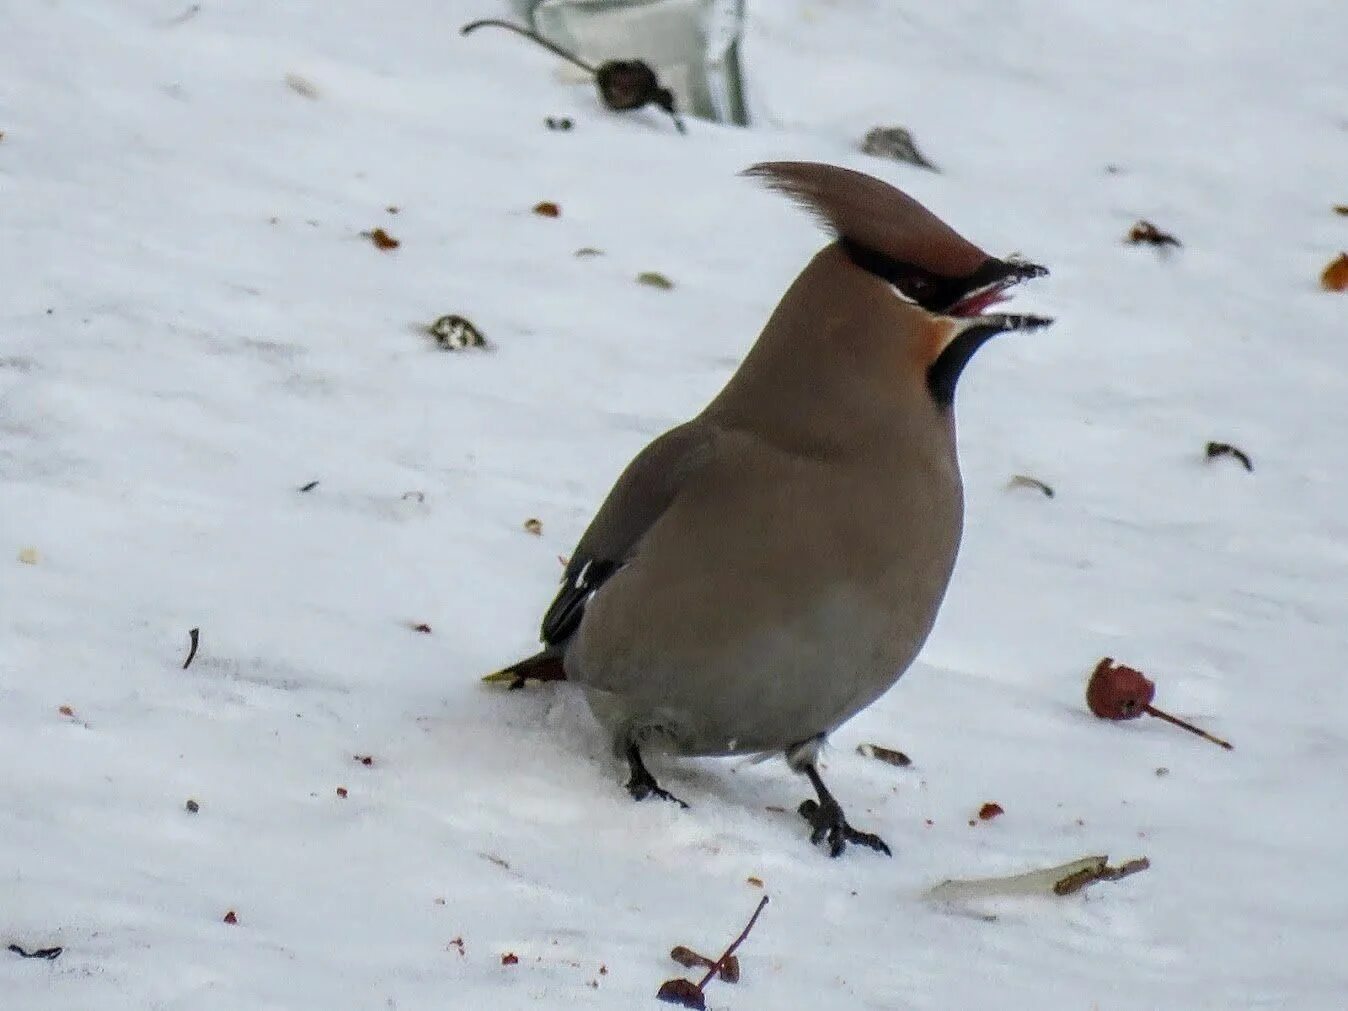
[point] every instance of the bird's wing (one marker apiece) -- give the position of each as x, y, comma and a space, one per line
640, 496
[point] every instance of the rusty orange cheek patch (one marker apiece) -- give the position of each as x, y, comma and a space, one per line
934, 333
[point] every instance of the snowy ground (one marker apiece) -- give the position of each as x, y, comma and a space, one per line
192, 327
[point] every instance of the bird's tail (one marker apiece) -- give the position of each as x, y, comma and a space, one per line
544, 666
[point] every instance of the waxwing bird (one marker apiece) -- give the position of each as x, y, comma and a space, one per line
760, 574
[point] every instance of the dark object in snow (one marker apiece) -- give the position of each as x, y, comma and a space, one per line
382, 240
729, 972
1216, 449
654, 279
364, 759
232, 918
688, 994
1116, 692
510, 958
1025, 481
47, 953
1335, 275
562, 123
990, 810
887, 755
454, 333
1145, 233
309, 487
192, 806
623, 84
193, 638
421, 627
895, 143
547, 209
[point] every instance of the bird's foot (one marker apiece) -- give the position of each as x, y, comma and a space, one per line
643, 784
641, 788
828, 823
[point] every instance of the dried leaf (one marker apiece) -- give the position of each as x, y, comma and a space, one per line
1144, 232
653, 279
510, 958
341, 792
381, 239
990, 810
681, 992
231, 917
1060, 880
1335, 276
887, 755
547, 209
67, 711
755, 881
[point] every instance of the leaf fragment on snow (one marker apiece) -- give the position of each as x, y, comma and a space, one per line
654, 279
1064, 879
887, 755
1335, 276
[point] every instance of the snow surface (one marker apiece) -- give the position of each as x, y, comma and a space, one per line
193, 328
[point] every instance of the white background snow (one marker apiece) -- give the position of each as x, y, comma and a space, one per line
192, 327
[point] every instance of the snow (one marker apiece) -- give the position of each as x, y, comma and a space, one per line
194, 328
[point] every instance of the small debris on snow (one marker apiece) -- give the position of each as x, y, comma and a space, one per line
547, 209
510, 958
193, 640
562, 123
1064, 879
895, 143
341, 792
654, 279
47, 953
420, 626
1144, 232
309, 487
755, 881
1216, 449
231, 917
1335, 276
1025, 481
382, 239
533, 526
990, 810
887, 755
689, 994
584, 252
366, 760
29, 556
192, 806
728, 971
454, 333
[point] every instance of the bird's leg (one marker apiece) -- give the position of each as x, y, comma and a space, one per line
826, 818
643, 784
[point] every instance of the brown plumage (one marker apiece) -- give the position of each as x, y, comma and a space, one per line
763, 572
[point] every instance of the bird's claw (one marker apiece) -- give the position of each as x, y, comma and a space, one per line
640, 789
828, 823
